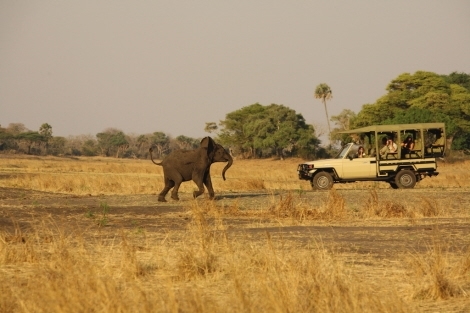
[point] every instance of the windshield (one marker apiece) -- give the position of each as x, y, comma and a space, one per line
343, 151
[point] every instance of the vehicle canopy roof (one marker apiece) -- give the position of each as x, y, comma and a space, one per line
395, 127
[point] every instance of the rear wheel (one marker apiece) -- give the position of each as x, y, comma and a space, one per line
405, 179
322, 181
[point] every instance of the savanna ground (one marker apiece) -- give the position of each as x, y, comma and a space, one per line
88, 235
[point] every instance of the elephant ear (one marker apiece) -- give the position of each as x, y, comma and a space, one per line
209, 144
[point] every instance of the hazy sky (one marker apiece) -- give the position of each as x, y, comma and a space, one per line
145, 66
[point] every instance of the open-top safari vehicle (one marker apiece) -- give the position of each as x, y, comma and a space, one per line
402, 168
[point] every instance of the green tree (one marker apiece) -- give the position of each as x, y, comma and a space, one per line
234, 130
112, 141
275, 129
57, 146
372, 114
324, 92
7, 140
104, 142
46, 131
161, 142
461, 79
30, 139
210, 127
89, 147
143, 144
343, 121
119, 141
423, 97
188, 143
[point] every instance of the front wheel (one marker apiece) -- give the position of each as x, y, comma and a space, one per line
405, 179
322, 181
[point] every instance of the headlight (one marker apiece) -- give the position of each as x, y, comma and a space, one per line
305, 167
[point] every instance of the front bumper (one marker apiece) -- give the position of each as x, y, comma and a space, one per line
303, 170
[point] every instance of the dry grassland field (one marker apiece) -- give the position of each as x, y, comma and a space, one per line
88, 235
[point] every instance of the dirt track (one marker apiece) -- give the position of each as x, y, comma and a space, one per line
21, 209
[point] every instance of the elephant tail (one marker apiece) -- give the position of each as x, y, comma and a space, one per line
151, 158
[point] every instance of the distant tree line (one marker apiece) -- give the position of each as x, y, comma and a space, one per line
260, 131
16, 138
255, 131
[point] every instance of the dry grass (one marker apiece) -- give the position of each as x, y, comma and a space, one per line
290, 206
198, 271
47, 267
96, 176
438, 274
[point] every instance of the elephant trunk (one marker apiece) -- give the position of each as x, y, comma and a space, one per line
230, 162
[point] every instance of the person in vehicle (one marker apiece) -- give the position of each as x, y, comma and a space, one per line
440, 140
438, 145
390, 147
384, 146
361, 152
407, 145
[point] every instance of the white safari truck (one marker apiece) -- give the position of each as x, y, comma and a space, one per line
402, 168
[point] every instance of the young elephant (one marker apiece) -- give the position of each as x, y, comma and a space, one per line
184, 165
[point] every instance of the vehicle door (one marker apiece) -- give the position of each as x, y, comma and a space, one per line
359, 168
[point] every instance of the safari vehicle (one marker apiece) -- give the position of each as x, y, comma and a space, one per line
401, 169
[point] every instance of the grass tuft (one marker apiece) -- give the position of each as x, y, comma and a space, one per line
334, 208
436, 275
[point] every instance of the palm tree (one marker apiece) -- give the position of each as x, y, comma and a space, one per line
324, 92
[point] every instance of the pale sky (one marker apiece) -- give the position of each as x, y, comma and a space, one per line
145, 66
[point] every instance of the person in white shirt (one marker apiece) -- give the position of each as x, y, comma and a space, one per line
389, 147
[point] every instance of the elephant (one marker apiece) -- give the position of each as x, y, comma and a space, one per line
184, 165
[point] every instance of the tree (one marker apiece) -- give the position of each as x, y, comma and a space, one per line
372, 114
89, 147
258, 130
161, 142
461, 79
81, 145
143, 145
57, 145
324, 92
234, 130
187, 143
112, 140
343, 121
30, 139
16, 128
210, 127
104, 142
7, 140
423, 97
46, 131
120, 143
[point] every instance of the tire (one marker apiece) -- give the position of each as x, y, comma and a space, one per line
322, 181
393, 185
405, 179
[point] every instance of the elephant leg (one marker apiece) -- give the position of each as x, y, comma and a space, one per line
200, 191
168, 185
208, 183
174, 192
199, 180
